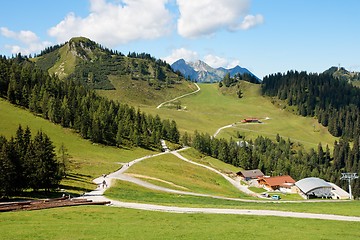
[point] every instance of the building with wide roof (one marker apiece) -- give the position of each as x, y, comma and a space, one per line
250, 174
314, 187
277, 183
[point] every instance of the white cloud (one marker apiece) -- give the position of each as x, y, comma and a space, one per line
204, 17
215, 61
250, 21
181, 53
192, 56
117, 23
29, 41
233, 63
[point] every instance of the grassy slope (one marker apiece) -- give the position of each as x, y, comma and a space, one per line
138, 93
66, 64
196, 156
356, 83
211, 109
116, 223
87, 160
194, 178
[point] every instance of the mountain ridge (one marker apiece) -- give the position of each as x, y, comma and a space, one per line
343, 74
87, 61
200, 71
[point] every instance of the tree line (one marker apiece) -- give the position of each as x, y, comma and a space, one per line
334, 102
229, 81
71, 104
282, 157
28, 162
138, 66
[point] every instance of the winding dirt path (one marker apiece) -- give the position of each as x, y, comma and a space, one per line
105, 182
97, 195
185, 95
224, 127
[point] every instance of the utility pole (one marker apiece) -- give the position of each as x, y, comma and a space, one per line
349, 177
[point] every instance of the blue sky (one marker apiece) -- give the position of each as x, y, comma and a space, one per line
262, 35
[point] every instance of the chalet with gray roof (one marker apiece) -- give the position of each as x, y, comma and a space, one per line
250, 174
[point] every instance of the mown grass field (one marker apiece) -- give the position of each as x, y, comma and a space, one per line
193, 178
198, 157
211, 109
138, 93
98, 222
87, 160
129, 192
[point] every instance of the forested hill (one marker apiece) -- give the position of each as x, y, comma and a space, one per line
343, 74
74, 105
334, 102
85, 60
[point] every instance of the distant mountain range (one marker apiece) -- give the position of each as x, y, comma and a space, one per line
201, 72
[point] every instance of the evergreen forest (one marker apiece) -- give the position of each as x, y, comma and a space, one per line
75, 105
334, 102
28, 162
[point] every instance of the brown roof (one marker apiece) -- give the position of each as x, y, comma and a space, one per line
251, 173
278, 180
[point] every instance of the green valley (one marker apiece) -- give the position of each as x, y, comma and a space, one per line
105, 109
211, 109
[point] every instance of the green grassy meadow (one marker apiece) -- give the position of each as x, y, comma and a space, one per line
206, 111
98, 222
193, 178
138, 93
194, 155
87, 160
211, 109
129, 192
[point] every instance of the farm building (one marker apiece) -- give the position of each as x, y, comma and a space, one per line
250, 120
283, 183
314, 187
250, 174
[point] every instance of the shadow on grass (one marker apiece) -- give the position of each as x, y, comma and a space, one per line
78, 177
74, 191
31, 195
77, 184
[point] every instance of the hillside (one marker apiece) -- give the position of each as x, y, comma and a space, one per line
214, 110
102, 68
133, 79
211, 109
334, 102
343, 74
139, 94
87, 160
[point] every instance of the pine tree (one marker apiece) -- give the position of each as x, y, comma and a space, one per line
174, 134
185, 139
63, 160
48, 174
8, 173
